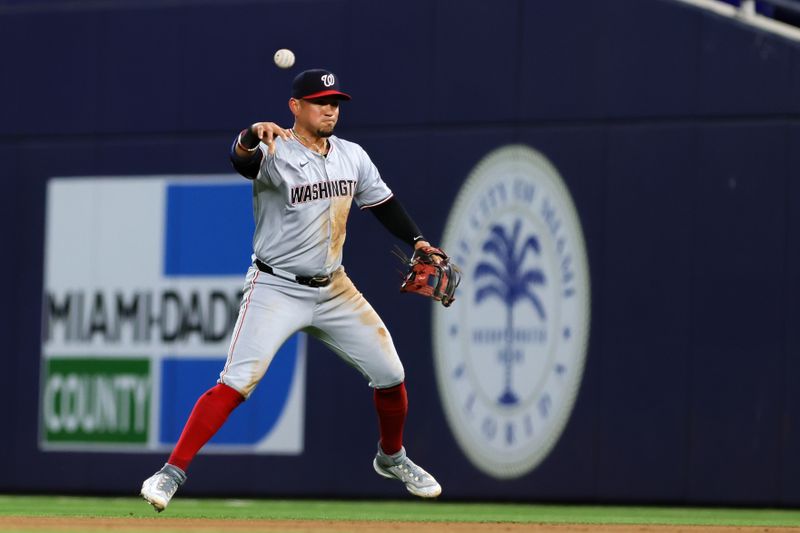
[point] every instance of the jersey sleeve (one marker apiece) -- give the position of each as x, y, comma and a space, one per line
371, 190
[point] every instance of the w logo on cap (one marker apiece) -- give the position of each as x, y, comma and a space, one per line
328, 80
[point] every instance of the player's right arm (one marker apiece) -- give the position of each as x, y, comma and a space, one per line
246, 154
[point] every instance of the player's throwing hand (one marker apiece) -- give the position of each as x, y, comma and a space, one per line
268, 131
259, 132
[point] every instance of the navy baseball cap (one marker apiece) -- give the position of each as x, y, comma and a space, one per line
317, 83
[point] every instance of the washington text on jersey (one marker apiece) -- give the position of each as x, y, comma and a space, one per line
322, 190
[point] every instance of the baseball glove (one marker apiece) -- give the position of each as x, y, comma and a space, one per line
431, 273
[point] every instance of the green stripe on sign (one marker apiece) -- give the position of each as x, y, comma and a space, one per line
96, 400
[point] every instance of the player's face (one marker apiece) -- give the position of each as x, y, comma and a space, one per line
319, 115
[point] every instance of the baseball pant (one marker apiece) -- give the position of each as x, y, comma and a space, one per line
274, 308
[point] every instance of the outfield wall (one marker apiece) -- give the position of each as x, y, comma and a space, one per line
675, 132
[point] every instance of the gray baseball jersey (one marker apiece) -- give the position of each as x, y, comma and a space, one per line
302, 199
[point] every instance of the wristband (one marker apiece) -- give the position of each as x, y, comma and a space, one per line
248, 140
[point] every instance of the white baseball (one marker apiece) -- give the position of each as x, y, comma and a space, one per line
284, 58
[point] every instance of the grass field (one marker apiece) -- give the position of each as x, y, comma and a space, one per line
47, 513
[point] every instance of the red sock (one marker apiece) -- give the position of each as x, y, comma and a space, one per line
209, 413
392, 406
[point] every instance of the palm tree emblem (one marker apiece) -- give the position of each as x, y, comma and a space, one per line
511, 284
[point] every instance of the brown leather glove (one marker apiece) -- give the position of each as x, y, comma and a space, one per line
432, 274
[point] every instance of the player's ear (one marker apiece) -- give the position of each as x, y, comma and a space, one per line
294, 106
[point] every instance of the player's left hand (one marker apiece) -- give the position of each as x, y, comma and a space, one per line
431, 273
425, 244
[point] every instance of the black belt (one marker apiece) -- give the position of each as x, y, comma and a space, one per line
310, 281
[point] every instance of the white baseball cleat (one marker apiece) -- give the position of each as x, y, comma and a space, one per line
159, 488
399, 466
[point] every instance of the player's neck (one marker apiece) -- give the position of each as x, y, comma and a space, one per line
310, 140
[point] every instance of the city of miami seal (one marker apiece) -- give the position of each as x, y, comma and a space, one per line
509, 354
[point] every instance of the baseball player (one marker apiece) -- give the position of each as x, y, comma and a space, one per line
304, 182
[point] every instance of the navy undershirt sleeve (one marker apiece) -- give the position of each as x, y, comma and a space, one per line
395, 218
246, 166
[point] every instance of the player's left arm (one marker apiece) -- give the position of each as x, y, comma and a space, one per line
372, 193
397, 220
430, 271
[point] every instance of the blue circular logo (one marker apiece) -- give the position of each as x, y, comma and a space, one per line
510, 352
